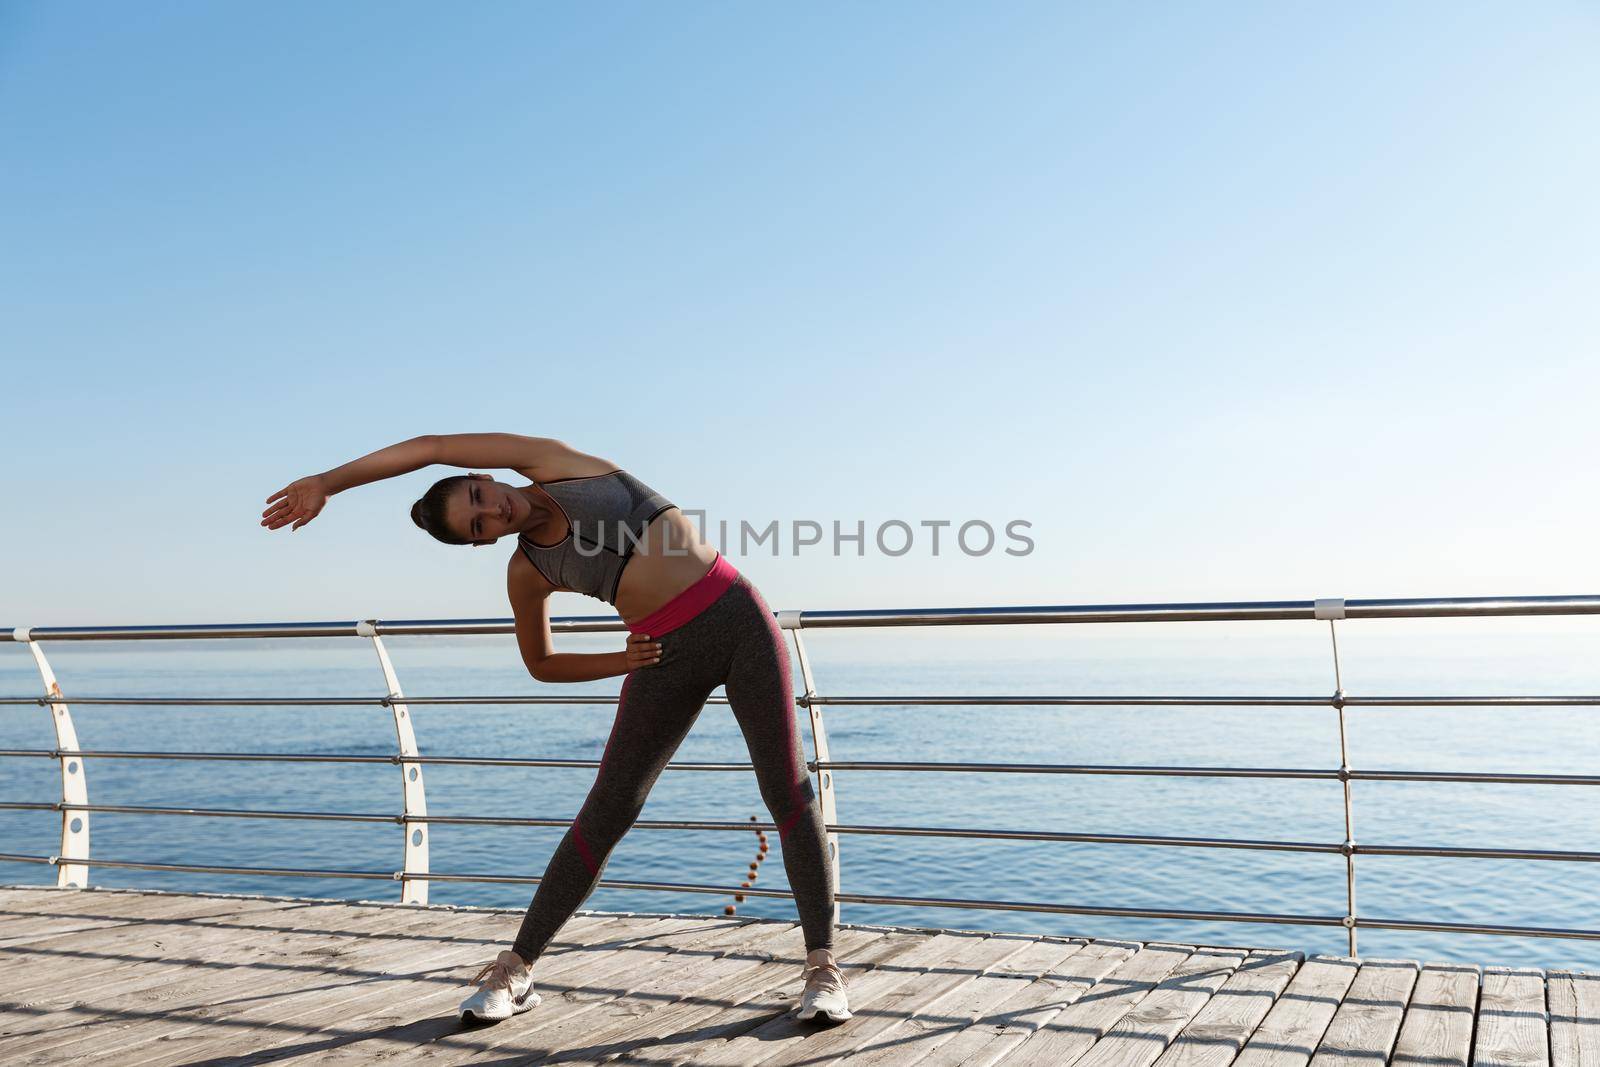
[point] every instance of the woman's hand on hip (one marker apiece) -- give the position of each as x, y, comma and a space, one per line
642, 652
298, 502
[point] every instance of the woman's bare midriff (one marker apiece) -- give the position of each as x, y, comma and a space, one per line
670, 558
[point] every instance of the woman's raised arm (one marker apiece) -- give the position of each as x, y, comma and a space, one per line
536, 458
301, 500
391, 462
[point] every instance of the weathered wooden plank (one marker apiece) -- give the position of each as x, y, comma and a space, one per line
574, 991
417, 1012
254, 973
189, 957
429, 991
27, 911
1077, 1027
45, 1009
56, 968
358, 1022
1219, 1030
591, 999
1513, 1020
623, 1023
124, 903
871, 995
65, 953
20, 935
92, 963
221, 963
712, 1010
1143, 1034
644, 990
1437, 1031
918, 1037
116, 903
1290, 1033
1364, 1028
27, 892
769, 998
1574, 1003
65, 905
21, 931
140, 903
994, 1035
212, 1030
897, 1005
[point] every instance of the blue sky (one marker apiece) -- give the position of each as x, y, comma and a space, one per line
1228, 301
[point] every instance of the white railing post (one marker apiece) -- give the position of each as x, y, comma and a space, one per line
413, 890
72, 864
790, 620
1332, 609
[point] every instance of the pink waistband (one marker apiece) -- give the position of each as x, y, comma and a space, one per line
689, 603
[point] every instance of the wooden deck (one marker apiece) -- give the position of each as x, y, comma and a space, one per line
131, 977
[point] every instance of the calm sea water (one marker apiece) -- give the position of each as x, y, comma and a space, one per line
1273, 659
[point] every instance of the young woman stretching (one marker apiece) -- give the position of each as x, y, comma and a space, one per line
587, 526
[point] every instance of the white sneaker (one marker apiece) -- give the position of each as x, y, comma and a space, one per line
506, 989
825, 989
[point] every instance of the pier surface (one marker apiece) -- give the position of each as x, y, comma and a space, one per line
135, 977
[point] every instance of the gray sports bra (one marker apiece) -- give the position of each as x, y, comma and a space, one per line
606, 518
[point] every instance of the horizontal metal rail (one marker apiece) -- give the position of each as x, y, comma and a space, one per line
310, 757
1476, 777
319, 702
218, 813
691, 824
1110, 700
979, 833
1449, 852
1310, 773
341, 628
867, 898
1236, 611
1080, 768
1227, 611
1371, 923
953, 700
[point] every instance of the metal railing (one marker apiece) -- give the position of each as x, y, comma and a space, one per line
73, 860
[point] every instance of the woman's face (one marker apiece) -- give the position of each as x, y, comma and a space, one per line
483, 510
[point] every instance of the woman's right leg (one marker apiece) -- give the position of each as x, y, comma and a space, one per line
657, 706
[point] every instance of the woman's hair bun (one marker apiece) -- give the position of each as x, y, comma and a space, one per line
428, 512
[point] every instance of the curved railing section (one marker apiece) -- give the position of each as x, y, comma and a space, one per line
73, 859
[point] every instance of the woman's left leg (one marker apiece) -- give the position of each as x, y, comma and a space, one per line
761, 693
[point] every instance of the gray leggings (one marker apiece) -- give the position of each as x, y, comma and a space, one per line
734, 642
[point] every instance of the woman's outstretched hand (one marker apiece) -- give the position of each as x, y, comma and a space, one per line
642, 652
298, 502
